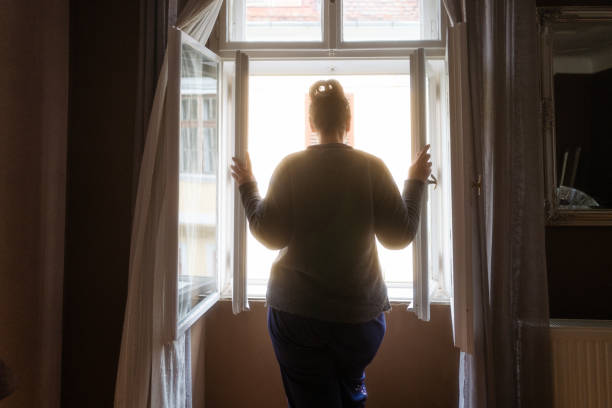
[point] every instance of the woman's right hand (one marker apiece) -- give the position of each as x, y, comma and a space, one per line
420, 169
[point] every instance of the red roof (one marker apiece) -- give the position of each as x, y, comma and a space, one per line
355, 10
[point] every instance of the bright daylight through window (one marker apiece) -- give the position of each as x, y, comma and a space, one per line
380, 103
275, 20
362, 20
390, 20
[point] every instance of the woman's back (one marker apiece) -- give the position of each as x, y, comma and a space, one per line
323, 209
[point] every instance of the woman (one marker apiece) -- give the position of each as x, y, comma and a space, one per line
326, 294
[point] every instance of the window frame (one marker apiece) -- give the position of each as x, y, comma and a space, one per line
332, 42
420, 250
232, 111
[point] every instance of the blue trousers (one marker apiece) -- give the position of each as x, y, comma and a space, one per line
322, 363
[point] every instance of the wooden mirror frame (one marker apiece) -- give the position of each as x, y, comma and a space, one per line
555, 215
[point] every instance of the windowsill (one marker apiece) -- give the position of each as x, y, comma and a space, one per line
393, 302
398, 295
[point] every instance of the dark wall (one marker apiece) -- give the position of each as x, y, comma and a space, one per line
580, 272
102, 101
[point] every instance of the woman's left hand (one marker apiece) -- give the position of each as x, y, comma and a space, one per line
242, 173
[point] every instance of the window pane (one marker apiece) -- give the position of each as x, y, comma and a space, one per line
275, 20
197, 263
190, 157
210, 151
209, 106
278, 125
189, 107
390, 20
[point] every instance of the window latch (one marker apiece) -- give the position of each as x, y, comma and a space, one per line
433, 180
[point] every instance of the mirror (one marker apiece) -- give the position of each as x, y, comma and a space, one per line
577, 95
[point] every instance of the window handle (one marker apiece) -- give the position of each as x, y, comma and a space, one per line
478, 184
433, 180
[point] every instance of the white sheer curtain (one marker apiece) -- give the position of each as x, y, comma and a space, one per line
154, 367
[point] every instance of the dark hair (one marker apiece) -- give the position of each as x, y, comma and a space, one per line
329, 108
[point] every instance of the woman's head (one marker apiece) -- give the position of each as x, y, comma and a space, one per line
330, 112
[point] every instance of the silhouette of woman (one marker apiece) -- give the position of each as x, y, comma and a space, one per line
326, 294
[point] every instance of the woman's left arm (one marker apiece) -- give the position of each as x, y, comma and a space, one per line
269, 218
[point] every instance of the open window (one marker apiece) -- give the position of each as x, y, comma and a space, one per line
383, 93
230, 104
379, 94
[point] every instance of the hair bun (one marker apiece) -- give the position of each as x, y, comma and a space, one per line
326, 88
329, 109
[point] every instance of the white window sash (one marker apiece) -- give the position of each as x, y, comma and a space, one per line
418, 110
332, 36
172, 326
440, 196
169, 307
240, 301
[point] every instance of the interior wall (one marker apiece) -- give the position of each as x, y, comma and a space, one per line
33, 113
417, 364
198, 363
104, 38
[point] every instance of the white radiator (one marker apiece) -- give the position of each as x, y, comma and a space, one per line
582, 363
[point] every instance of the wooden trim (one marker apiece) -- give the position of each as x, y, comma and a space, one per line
580, 218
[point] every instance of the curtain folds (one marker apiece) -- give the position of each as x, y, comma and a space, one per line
154, 367
500, 304
198, 18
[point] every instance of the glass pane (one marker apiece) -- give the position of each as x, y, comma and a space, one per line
390, 20
278, 125
198, 153
275, 20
